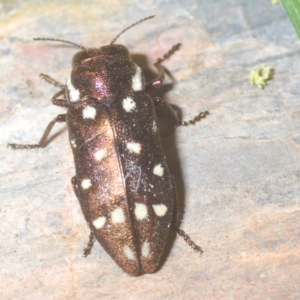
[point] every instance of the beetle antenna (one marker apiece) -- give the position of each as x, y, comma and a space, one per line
58, 40
132, 25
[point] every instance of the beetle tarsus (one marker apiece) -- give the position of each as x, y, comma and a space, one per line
169, 53
43, 141
52, 81
196, 119
87, 250
23, 147
189, 241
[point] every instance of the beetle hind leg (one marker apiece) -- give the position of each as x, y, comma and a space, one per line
181, 232
87, 250
188, 240
74, 185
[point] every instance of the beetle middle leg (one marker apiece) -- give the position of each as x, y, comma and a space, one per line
198, 118
59, 119
43, 141
168, 108
157, 82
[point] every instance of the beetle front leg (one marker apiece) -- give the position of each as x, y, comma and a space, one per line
52, 81
157, 82
55, 100
43, 141
60, 102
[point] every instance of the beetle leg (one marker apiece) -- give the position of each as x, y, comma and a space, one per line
157, 82
89, 245
55, 100
87, 250
198, 118
43, 141
173, 116
188, 240
52, 81
60, 102
168, 108
74, 185
181, 232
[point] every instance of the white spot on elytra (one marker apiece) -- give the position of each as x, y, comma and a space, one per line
154, 126
140, 211
158, 170
73, 143
73, 92
137, 83
117, 215
99, 222
146, 249
86, 184
134, 147
100, 154
128, 253
128, 104
89, 112
160, 209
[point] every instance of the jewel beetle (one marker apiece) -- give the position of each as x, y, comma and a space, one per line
122, 180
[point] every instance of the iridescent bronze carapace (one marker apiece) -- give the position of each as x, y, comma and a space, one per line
122, 179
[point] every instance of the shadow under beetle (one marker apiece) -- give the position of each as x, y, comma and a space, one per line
122, 180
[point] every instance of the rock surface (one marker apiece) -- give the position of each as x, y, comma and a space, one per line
237, 171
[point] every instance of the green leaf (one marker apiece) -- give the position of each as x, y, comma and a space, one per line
292, 8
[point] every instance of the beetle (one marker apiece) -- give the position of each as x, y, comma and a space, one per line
122, 180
